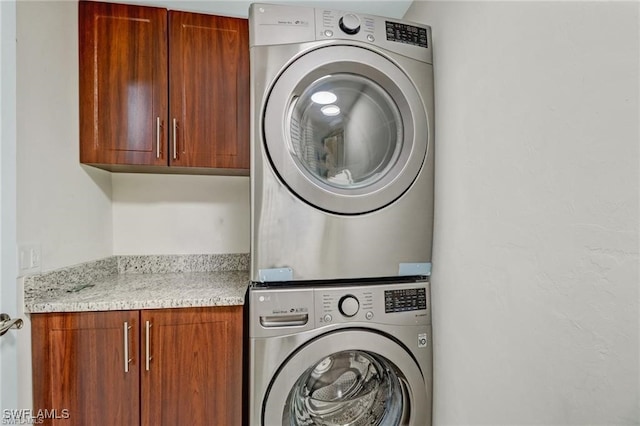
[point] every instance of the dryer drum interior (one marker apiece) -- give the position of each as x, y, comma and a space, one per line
351, 152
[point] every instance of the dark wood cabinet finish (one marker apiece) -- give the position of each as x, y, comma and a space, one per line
123, 84
79, 366
194, 373
163, 90
209, 90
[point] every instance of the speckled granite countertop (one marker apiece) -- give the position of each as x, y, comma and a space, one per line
140, 282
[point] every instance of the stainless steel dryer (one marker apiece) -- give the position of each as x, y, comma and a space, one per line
350, 355
341, 145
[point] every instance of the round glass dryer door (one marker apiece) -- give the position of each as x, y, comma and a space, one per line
359, 127
345, 129
348, 377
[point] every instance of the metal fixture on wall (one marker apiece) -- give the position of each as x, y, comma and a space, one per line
6, 323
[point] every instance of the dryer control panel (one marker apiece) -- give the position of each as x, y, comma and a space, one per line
271, 24
405, 33
406, 38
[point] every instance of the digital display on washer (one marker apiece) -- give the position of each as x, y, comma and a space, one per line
413, 299
408, 34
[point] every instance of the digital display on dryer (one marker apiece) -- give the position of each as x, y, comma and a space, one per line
404, 300
408, 34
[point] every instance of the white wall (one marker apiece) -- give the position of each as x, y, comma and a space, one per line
535, 277
169, 214
78, 213
63, 206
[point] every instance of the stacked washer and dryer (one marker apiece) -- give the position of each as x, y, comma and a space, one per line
341, 219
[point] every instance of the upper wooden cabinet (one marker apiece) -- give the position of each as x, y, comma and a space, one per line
209, 90
164, 89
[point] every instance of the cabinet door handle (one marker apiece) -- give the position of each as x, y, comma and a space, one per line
158, 126
175, 138
127, 360
147, 343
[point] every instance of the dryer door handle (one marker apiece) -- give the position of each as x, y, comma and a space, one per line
296, 320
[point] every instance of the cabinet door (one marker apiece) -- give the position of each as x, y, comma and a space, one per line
209, 91
123, 84
86, 367
195, 367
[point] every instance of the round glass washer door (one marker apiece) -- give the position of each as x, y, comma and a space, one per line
345, 129
347, 388
329, 382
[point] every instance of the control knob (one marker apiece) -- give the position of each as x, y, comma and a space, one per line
350, 24
349, 305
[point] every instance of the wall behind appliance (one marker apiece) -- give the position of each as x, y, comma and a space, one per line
535, 277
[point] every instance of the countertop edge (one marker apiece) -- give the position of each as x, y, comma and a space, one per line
59, 307
160, 282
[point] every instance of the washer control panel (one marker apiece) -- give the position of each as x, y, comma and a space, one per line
399, 303
339, 305
276, 311
402, 300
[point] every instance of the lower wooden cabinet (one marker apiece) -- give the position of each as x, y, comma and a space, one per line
78, 367
149, 367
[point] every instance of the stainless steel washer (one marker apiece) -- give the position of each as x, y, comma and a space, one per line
342, 145
340, 355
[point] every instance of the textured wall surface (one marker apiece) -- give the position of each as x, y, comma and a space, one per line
535, 276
